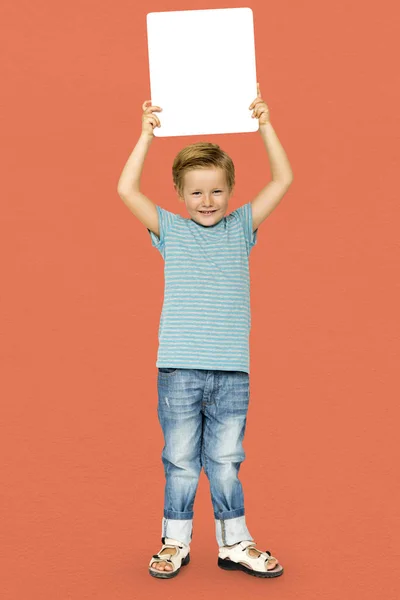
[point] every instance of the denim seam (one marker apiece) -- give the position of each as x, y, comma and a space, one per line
167, 486
223, 532
205, 464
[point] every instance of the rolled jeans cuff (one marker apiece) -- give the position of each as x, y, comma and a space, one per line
177, 529
231, 531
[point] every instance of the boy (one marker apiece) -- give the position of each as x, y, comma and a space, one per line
203, 354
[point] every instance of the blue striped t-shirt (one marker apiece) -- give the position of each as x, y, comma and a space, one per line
205, 319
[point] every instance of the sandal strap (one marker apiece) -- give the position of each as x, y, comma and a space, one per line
241, 549
162, 558
174, 558
266, 553
171, 542
245, 544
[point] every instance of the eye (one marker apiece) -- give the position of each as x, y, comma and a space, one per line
216, 191
196, 193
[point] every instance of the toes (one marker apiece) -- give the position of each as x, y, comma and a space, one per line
271, 564
161, 566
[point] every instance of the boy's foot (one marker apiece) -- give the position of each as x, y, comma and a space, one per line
272, 561
176, 555
163, 565
244, 556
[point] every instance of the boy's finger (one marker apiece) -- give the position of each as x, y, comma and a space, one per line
151, 109
144, 107
256, 101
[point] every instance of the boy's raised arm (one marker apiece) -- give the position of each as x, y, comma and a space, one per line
282, 175
129, 182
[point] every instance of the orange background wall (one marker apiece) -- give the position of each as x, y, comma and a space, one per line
81, 295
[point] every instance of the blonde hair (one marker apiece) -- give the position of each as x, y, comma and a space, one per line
202, 155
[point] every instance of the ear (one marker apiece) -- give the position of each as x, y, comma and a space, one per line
177, 192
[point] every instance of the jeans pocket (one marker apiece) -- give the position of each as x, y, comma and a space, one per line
167, 370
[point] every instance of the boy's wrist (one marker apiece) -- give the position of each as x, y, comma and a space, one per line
146, 136
265, 126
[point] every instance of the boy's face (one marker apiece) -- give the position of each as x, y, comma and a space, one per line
206, 190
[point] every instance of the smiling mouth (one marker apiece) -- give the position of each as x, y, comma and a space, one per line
207, 212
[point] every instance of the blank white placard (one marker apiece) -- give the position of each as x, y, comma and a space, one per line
202, 71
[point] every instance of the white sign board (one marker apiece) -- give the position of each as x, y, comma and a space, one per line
202, 71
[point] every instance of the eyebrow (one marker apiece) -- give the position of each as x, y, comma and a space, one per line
217, 187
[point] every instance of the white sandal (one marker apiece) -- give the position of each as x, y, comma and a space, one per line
177, 560
238, 558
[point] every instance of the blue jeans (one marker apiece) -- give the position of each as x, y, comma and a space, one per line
203, 417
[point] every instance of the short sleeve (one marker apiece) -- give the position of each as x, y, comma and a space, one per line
244, 215
165, 222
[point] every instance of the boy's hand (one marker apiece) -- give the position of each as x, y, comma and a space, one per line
260, 109
149, 120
